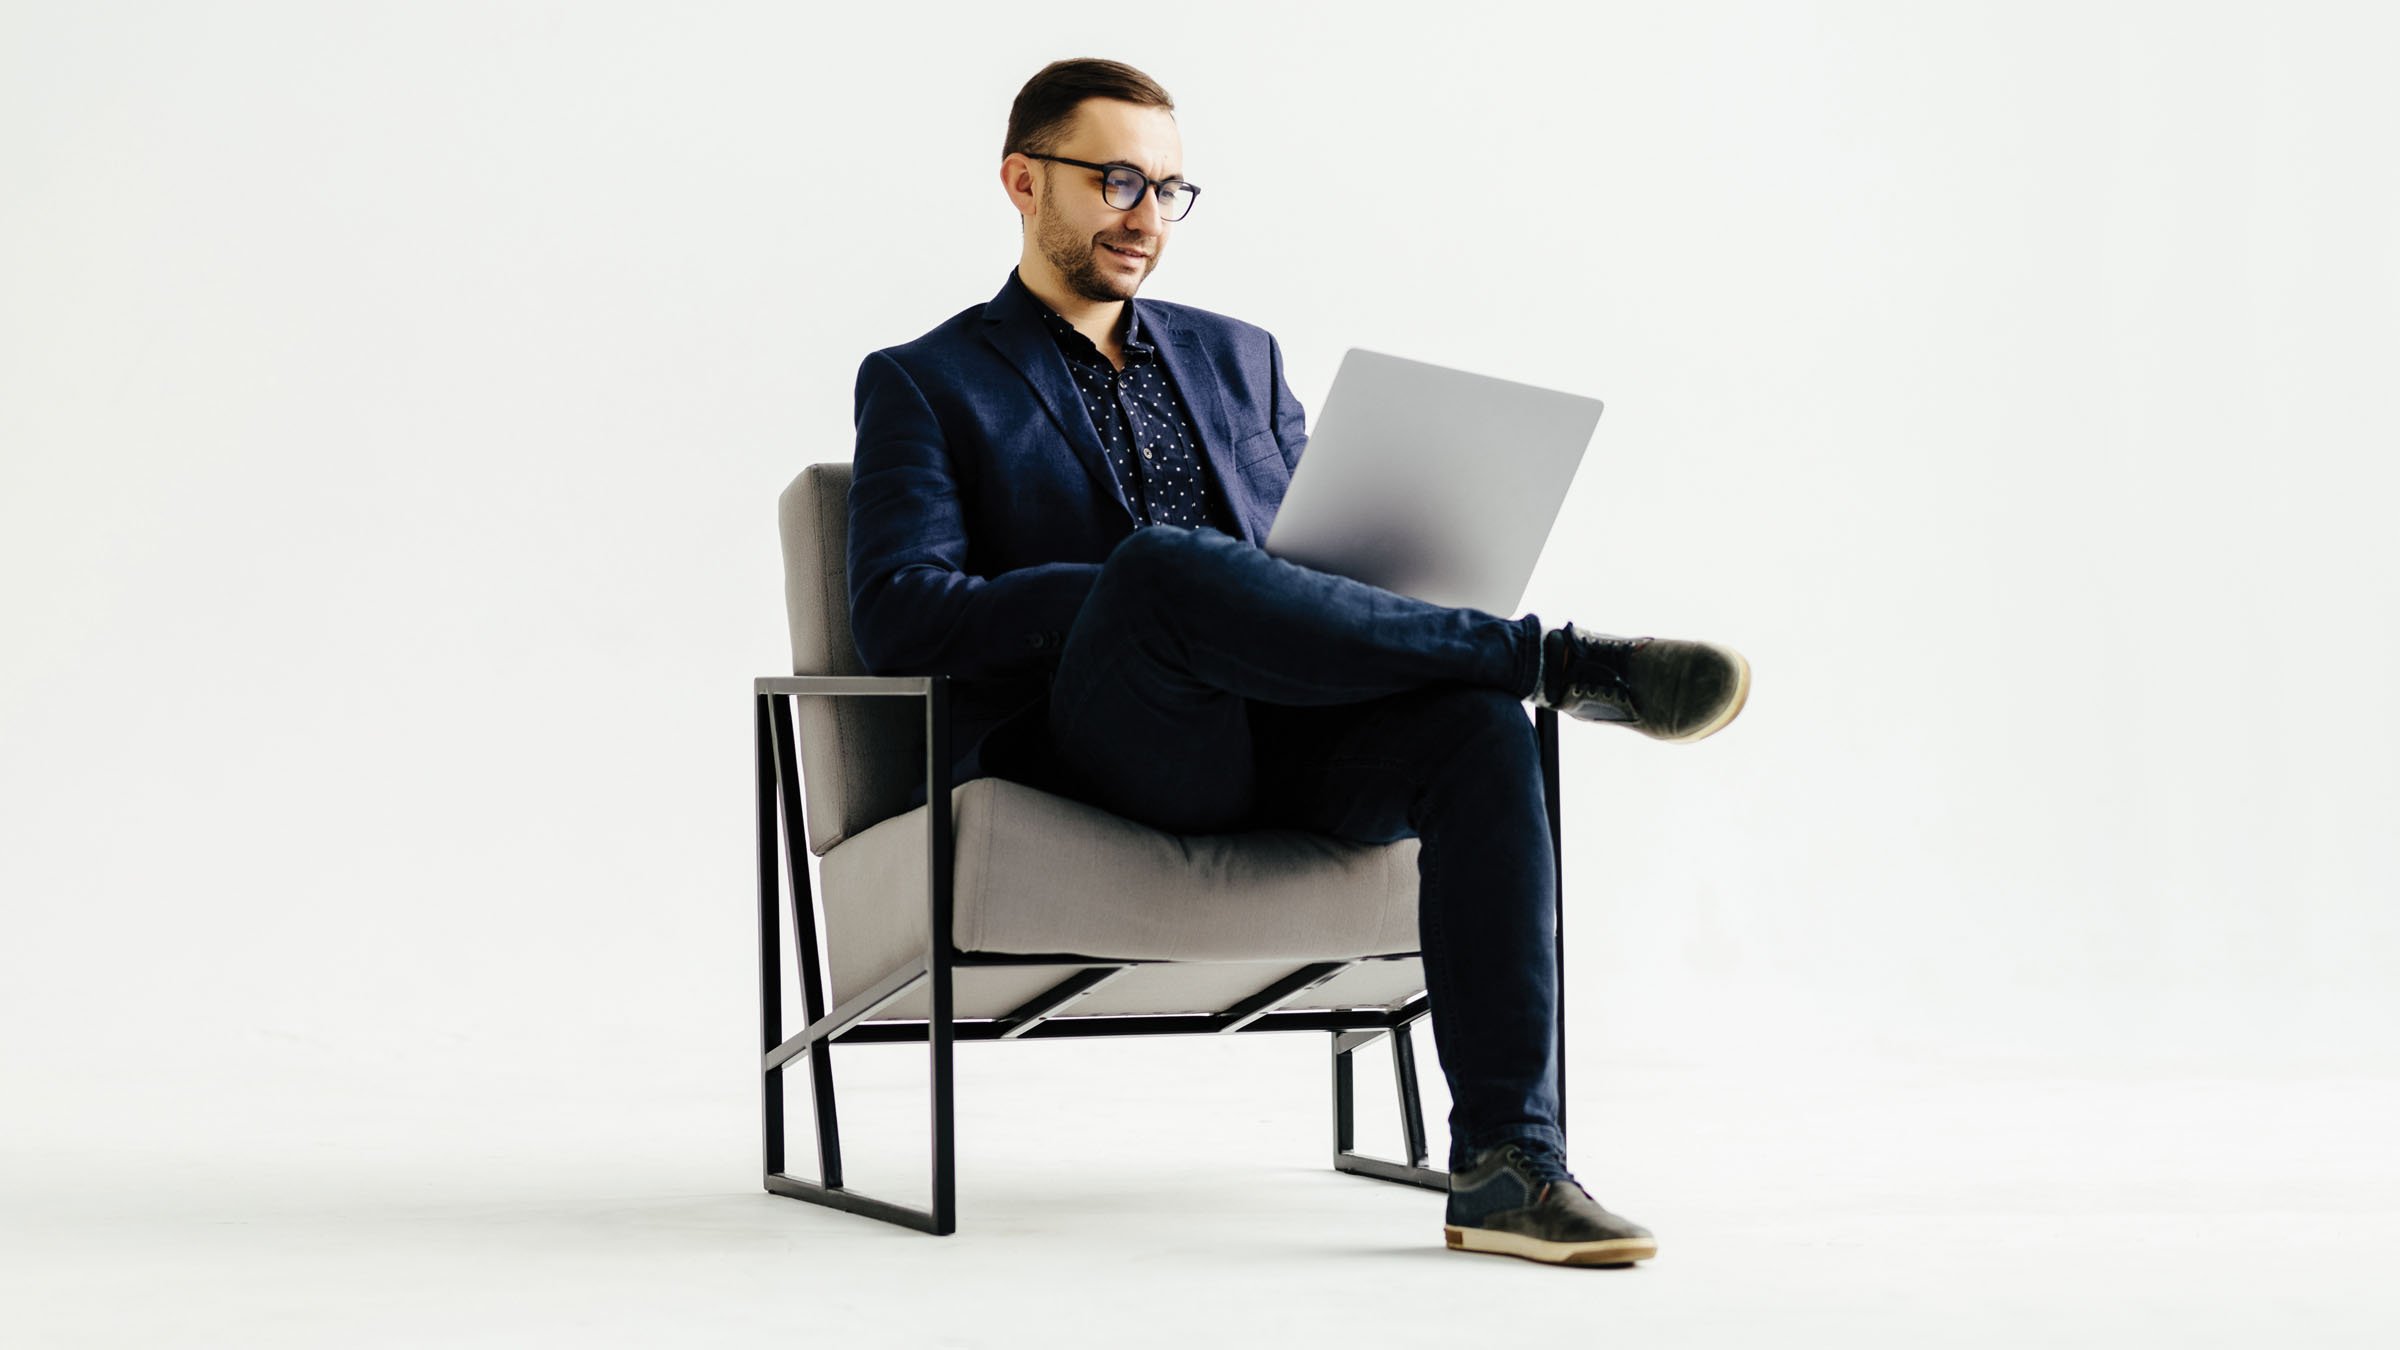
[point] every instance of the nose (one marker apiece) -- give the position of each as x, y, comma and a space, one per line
1145, 215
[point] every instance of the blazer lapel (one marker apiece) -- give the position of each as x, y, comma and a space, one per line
1013, 327
1186, 359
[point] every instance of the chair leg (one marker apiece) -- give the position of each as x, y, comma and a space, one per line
941, 871
939, 1038
1346, 1158
1412, 1107
770, 963
940, 1220
783, 832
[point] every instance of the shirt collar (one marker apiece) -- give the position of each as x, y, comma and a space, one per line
1134, 338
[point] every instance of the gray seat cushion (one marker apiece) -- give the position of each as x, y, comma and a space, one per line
1039, 873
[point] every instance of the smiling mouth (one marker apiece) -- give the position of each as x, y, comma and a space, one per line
1123, 252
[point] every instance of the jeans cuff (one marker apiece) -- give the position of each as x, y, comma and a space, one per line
1465, 1151
1529, 657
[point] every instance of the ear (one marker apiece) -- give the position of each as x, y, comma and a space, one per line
1016, 179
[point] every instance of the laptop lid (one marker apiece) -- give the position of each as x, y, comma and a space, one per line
1432, 482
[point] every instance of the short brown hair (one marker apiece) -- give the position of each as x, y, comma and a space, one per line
1045, 108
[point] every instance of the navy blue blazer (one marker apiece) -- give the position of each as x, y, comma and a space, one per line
981, 503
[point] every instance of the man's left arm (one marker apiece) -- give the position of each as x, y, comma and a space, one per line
1291, 420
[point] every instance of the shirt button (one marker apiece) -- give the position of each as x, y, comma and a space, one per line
1145, 452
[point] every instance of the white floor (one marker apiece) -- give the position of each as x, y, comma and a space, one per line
1175, 1192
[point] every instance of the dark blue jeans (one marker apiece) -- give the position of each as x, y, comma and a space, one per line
1206, 686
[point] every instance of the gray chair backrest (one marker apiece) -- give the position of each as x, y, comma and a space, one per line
859, 757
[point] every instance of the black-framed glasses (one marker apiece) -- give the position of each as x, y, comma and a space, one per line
1122, 186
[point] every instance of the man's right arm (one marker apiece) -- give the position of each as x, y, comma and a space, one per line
914, 607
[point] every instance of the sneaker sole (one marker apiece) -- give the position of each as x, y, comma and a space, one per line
1606, 1252
1733, 706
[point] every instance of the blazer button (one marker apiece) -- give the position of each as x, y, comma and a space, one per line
1033, 639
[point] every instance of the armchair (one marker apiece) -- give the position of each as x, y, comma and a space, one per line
998, 912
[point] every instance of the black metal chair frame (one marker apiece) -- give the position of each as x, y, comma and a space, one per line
783, 854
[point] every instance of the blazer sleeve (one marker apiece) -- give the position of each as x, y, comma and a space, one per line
914, 607
1291, 420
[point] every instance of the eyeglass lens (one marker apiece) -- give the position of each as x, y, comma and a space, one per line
1123, 188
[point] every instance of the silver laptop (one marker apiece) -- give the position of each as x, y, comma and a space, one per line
1432, 482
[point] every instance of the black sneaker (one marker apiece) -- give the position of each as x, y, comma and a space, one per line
1664, 688
1520, 1200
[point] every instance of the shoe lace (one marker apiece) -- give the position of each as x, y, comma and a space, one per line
1594, 677
1542, 1163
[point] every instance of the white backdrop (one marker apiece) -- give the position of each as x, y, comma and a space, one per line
393, 400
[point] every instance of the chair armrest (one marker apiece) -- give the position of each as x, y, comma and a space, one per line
773, 694
915, 686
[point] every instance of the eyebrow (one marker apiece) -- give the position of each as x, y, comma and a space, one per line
1155, 178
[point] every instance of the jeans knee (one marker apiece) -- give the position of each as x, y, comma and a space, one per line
1487, 728
1154, 556
1150, 549
1493, 715
1151, 543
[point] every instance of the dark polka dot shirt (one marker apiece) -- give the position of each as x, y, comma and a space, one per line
1142, 426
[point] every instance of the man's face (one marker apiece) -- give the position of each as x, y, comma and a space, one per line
1075, 229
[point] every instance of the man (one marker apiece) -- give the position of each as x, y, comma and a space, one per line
1058, 499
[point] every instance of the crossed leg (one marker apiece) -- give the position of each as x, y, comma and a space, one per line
1206, 686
